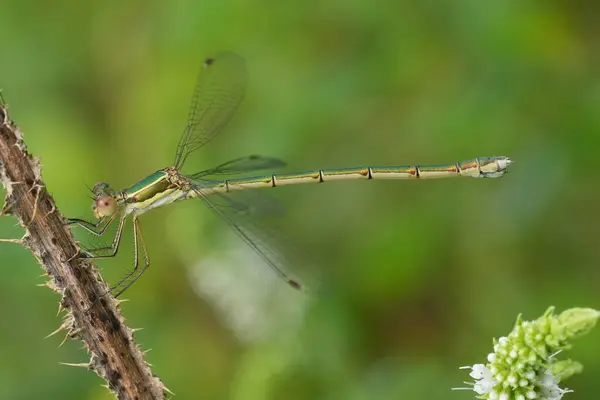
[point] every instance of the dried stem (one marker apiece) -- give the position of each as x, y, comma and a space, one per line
92, 315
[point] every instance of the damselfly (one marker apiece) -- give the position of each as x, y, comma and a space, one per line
220, 89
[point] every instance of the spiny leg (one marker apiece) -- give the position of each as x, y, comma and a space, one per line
135, 259
116, 241
95, 228
9, 201
131, 277
92, 228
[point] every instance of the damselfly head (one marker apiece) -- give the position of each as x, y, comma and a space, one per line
105, 204
101, 188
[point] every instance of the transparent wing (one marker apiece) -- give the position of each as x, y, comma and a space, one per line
255, 202
241, 165
251, 224
220, 89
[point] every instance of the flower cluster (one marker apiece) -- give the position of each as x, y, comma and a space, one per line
523, 365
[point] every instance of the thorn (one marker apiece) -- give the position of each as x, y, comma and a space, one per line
133, 330
60, 307
108, 387
35, 204
115, 302
83, 365
66, 325
167, 389
74, 332
147, 351
18, 241
60, 328
64, 340
6, 209
49, 284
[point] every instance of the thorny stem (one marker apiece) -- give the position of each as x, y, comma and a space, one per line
92, 315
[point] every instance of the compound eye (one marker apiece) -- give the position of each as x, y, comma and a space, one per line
101, 188
104, 206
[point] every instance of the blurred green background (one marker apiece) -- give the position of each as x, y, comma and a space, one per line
417, 277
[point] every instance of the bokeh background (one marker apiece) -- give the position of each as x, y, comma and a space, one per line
416, 278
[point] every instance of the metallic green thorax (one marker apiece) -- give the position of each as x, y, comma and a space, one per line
148, 187
162, 187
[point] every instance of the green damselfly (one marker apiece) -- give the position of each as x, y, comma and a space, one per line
220, 89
